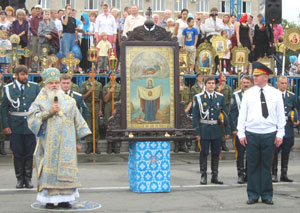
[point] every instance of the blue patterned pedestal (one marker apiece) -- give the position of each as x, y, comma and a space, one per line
149, 166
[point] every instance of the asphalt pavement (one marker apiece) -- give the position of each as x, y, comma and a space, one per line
104, 180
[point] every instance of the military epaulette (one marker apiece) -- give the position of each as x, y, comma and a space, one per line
236, 92
76, 93
32, 82
7, 85
290, 92
219, 93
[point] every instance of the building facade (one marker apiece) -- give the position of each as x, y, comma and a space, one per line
158, 6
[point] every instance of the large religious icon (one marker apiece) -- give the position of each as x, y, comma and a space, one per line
219, 43
150, 87
292, 38
205, 58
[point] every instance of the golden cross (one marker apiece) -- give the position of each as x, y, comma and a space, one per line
70, 61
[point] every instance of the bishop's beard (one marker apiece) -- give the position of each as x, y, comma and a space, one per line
55, 93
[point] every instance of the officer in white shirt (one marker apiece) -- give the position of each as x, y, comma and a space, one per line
261, 124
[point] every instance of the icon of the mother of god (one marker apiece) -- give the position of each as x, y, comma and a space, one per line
150, 99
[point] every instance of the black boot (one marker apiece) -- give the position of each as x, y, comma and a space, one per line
183, 147
65, 205
2, 149
214, 168
197, 149
224, 147
109, 148
28, 174
203, 169
89, 148
97, 150
117, 147
241, 172
284, 168
275, 168
176, 146
19, 170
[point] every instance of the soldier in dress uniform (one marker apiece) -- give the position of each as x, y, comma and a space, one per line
246, 83
108, 89
209, 111
87, 89
227, 92
291, 114
2, 135
16, 100
186, 98
66, 84
197, 88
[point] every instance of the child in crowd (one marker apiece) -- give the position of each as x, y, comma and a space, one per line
104, 47
279, 48
189, 42
226, 66
4, 44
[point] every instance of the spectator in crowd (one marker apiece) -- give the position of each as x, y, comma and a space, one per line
68, 37
115, 13
199, 27
85, 41
60, 14
233, 19
251, 24
180, 25
243, 32
127, 10
278, 31
167, 15
228, 26
10, 14
121, 24
170, 27
213, 25
4, 24
73, 14
104, 46
45, 33
279, 49
226, 66
92, 17
33, 13
34, 26
57, 22
189, 42
263, 38
4, 61
156, 19
20, 27
134, 20
105, 22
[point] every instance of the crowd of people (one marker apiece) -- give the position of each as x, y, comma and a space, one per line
62, 31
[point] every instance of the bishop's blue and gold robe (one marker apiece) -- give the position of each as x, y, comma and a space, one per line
56, 154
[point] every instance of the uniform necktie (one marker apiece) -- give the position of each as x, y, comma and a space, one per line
22, 88
210, 97
283, 98
264, 107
